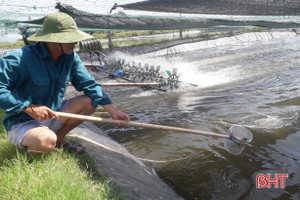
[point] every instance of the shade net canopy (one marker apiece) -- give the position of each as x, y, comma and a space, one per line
125, 22
97, 15
219, 7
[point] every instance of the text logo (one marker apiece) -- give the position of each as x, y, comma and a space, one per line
266, 181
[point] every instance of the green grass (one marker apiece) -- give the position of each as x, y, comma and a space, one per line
126, 34
9, 45
2, 131
58, 175
134, 43
54, 176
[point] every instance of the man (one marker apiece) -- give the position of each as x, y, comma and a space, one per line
33, 81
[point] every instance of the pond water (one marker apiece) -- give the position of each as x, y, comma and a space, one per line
252, 83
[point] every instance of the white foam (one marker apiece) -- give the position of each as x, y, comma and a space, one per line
246, 38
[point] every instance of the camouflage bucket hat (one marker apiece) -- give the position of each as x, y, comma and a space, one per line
59, 28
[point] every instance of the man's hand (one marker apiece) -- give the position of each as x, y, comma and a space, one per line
39, 112
117, 115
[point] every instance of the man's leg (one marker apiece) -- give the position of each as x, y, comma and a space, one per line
79, 105
39, 140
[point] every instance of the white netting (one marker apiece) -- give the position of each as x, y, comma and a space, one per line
13, 11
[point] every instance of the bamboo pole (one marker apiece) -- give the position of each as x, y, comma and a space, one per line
138, 124
130, 84
126, 84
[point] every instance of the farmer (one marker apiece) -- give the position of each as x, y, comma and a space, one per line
33, 81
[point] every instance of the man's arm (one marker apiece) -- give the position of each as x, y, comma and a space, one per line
40, 112
11, 76
117, 115
82, 80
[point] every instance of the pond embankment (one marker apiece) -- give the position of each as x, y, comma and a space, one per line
126, 171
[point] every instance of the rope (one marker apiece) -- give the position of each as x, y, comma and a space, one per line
126, 155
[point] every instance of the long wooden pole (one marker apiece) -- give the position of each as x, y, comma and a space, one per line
130, 84
127, 84
138, 124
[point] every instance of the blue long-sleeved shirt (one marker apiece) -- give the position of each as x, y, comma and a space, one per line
30, 76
